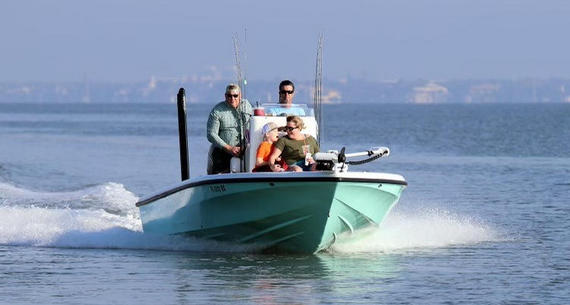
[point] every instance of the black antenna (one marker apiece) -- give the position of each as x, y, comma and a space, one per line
183, 135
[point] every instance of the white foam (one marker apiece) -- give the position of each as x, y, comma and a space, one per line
51, 218
43, 227
102, 216
105, 216
112, 197
421, 230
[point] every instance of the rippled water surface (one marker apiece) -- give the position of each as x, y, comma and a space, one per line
484, 219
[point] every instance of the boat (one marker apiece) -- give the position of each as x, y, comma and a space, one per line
299, 212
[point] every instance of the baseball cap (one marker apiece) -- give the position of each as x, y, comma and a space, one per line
268, 127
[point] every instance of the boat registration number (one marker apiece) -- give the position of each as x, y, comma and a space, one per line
218, 188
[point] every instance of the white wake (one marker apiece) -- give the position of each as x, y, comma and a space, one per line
419, 230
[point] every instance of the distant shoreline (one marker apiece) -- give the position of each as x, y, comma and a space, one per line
208, 91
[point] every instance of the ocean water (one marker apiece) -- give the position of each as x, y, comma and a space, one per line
484, 220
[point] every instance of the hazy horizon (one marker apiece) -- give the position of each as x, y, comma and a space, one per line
129, 41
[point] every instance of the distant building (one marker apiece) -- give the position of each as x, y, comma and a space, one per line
430, 94
332, 97
484, 93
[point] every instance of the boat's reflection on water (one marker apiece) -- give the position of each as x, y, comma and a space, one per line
268, 279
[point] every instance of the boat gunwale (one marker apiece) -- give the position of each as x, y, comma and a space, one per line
271, 177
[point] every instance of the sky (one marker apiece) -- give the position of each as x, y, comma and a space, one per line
132, 40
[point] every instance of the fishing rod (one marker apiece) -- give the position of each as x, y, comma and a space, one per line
242, 82
239, 74
317, 94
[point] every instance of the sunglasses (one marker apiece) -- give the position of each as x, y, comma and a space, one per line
287, 128
232, 95
286, 92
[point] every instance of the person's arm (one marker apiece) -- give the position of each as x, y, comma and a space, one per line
248, 108
260, 162
245, 111
317, 148
212, 133
261, 151
274, 155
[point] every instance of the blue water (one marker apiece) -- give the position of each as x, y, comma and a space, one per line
485, 219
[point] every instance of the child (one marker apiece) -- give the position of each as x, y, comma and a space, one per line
270, 134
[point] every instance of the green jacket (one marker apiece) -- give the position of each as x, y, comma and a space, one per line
225, 123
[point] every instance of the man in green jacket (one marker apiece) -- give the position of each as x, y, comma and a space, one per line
226, 128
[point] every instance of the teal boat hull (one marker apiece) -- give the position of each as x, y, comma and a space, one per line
290, 212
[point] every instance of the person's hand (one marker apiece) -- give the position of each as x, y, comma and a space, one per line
276, 168
235, 150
